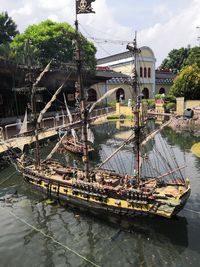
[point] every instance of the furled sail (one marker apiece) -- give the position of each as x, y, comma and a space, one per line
42, 74
55, 147
67, 109
107, 94
24, 124
74, 135
73, 132
90, 134
48, 105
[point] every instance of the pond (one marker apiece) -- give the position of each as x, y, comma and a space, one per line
36, 232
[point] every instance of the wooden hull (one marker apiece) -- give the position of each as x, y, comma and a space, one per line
93, 206
76, 148
105, 200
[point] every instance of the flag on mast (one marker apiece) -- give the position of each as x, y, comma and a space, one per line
84, 6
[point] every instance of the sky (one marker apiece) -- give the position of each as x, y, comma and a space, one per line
161, 25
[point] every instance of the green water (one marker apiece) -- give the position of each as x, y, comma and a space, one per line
36, 233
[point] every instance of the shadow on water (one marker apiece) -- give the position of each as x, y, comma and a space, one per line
155, 228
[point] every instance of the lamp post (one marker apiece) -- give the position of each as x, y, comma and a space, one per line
198, 37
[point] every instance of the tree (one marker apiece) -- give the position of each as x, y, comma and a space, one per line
51, 40
179, 58
176, 59
5, 51
187, 83
8, 28
194, 56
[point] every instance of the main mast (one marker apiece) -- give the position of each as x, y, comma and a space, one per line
82, 7
136, 111
81, 93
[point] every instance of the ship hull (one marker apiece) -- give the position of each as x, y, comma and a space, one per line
110, 205
91, 207
184, 199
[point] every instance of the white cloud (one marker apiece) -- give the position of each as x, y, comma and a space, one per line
26, 10
162, 11
52, 4
179, 31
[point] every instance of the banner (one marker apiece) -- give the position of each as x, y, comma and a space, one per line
84, 6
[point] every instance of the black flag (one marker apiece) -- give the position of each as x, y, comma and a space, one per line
84, 6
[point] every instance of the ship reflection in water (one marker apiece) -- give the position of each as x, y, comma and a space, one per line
104, 240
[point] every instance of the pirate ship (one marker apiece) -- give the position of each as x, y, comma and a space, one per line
146, 191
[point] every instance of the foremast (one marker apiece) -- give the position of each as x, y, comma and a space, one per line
35, 126
136, 111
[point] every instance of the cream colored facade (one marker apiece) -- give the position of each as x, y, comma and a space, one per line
102, 88
124, 64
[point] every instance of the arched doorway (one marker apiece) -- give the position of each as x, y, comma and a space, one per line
92, 95
162, 90
145, 93
120, 95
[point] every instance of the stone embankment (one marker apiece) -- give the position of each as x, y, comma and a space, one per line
183, 122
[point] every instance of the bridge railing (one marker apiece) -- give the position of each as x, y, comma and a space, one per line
53, 122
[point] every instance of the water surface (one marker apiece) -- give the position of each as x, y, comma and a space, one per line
110, 241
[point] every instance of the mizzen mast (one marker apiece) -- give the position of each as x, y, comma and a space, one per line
136, 111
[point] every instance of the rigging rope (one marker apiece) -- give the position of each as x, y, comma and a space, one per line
8, 177
194, 211
50, 237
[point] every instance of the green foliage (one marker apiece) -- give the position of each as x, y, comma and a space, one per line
51, 40
117, 117
112, 103
179, 58
170, 106
113, 117
5, 51
150, 103
170, 98
187, 83
176, 59
194, 56
8, 28
159, 96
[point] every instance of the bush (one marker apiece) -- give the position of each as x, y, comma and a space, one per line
150, 102
112, 103
159, 96
170, 106
117, 117
170, 98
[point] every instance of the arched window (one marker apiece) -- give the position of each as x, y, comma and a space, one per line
141, 72
149, 72
145, 93
162, 90
92, 95
120, 95
145, 72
